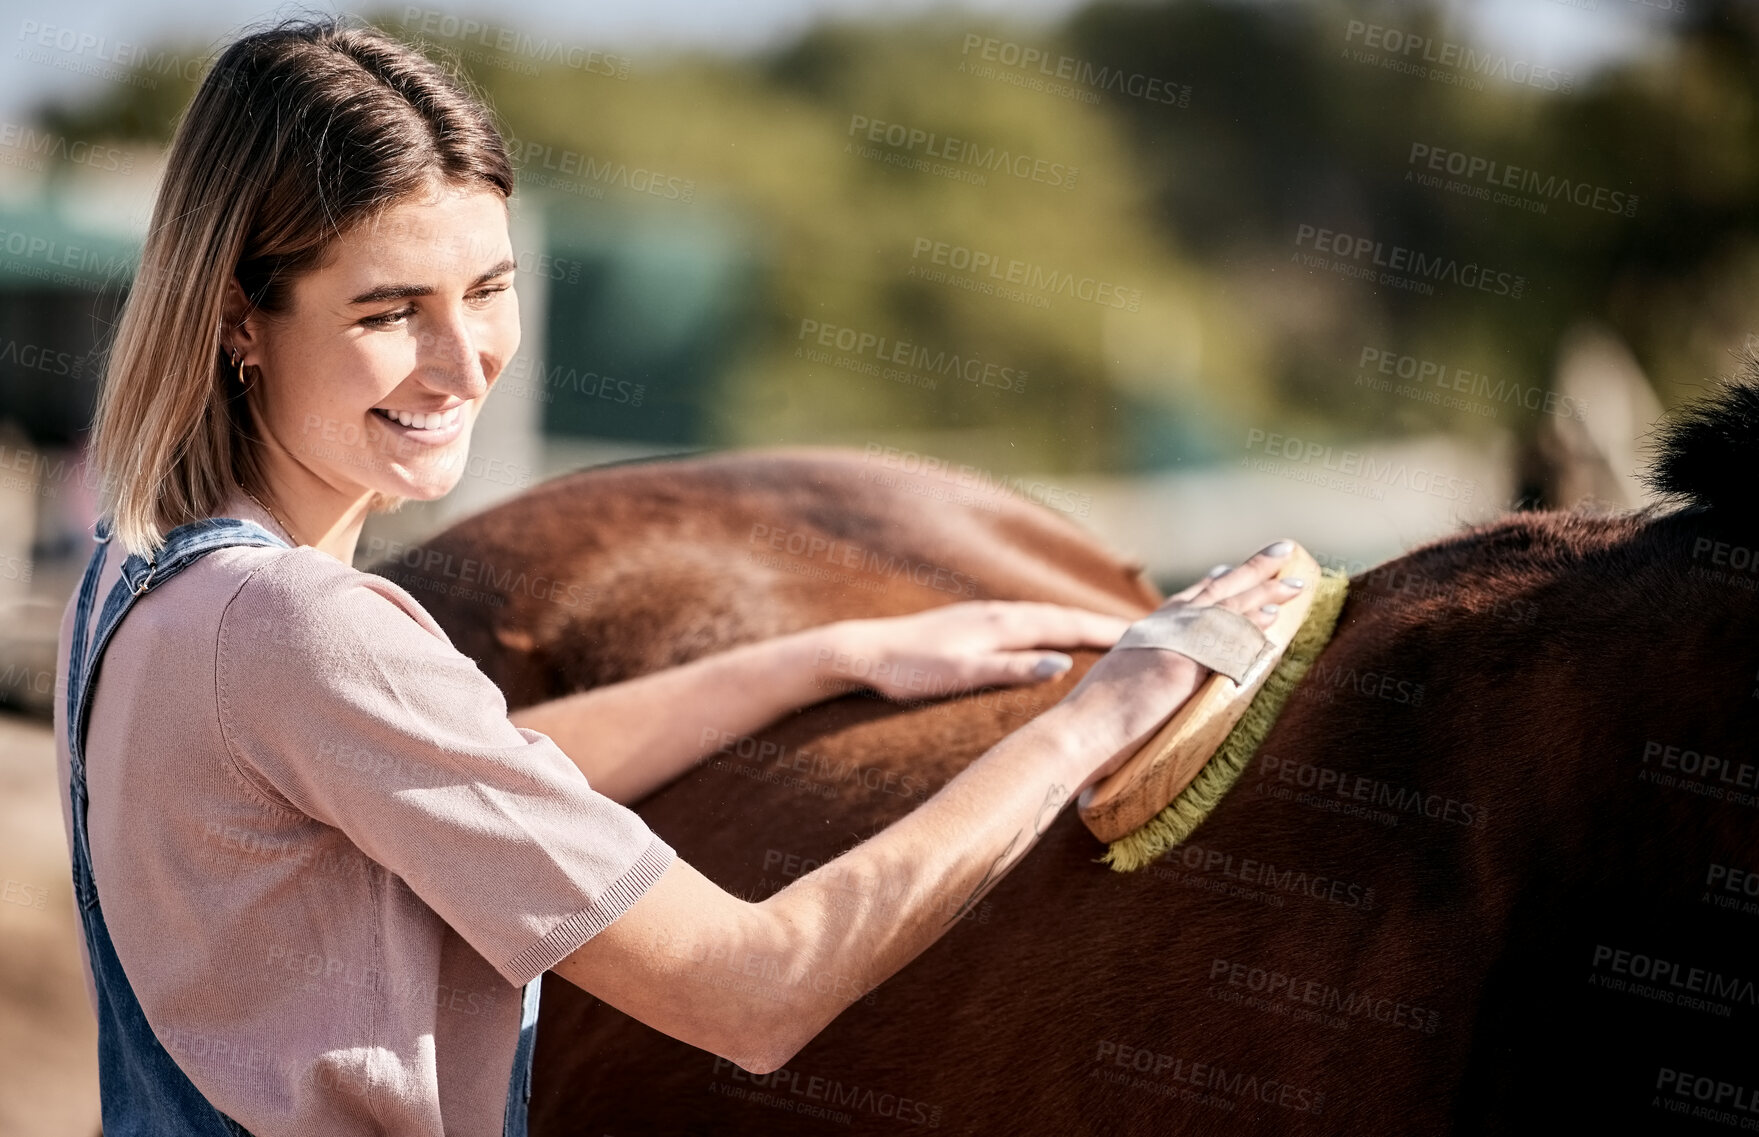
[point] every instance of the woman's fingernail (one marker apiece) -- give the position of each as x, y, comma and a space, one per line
1219, 569
1294, 582
1052, 665
1278, 549
1270, 609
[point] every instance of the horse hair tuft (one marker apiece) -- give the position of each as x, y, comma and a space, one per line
1708, 455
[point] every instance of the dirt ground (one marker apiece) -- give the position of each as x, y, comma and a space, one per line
48, 1040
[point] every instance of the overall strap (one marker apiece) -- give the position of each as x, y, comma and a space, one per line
183, 546
142, 1090
514, 1123
186, 544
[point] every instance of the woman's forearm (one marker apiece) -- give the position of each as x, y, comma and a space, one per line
872, 910
754, 982
633, 737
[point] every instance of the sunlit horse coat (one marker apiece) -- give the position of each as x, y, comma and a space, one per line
1492, 869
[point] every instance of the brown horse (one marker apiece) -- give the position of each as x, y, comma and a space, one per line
1493, 869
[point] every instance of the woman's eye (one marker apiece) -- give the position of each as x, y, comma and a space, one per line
386, 319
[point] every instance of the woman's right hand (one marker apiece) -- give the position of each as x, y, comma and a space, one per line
1126, 696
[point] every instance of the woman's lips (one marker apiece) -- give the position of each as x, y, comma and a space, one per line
450, 425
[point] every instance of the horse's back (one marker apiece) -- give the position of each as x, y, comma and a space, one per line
1408, 916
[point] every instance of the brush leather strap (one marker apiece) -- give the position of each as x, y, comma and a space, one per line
1222, 640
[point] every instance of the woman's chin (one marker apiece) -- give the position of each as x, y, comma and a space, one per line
428, 489
424, 485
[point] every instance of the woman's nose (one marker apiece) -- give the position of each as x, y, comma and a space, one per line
450, 361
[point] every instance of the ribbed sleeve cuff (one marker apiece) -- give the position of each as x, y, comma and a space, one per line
561, 940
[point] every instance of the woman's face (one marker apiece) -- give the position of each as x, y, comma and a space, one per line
372, 378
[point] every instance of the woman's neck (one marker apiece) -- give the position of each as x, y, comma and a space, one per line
311, 511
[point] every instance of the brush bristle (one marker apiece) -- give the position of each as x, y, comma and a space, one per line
1187, 811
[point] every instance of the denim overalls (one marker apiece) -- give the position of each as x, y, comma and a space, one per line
144, 1092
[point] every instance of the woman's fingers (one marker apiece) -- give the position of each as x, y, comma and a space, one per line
1260, 604
1195, 588
1006, 626
950, 678
1025, 624
1251, 573
1006, 668
995, 643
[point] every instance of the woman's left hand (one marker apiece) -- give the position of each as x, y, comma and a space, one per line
961, 647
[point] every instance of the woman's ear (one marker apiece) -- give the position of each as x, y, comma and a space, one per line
238, 331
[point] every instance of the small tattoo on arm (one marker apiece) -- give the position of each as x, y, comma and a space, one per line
1055, 798
990, 876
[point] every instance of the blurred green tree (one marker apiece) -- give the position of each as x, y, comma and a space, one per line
1133, 266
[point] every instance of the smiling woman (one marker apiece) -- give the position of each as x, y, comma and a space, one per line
294, 137
403, 328
333, 869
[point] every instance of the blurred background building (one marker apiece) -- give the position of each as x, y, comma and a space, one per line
1195, 273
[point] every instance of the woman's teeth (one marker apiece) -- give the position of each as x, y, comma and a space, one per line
434, 421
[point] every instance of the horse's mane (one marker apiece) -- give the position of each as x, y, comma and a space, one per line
1703, 467
1709, 453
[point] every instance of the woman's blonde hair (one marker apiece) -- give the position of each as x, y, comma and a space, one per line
296, 135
